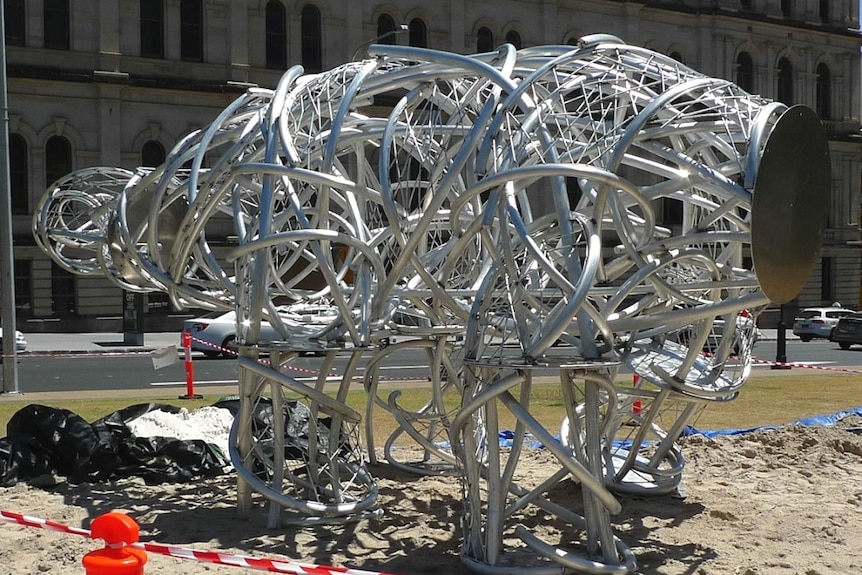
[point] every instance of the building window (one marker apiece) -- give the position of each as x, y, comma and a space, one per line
58, 159
827, 280
152, 29
191, 31
18, 175
745, 72
823, 95
745, 4
56, 24
385, 30
824, 11
312, 39
23, 271
418, 33
514, 39
784, 88
13, 11
786, 8
276, 36
676, 56
672, 212
484, 40
152, 154
573, 192
62, 291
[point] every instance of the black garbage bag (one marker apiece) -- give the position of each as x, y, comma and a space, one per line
170, 460
297, 417
73, 447
21, 462
48, 440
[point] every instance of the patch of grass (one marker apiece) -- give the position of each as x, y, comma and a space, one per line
771, 400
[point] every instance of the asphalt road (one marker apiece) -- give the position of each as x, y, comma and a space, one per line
135, 371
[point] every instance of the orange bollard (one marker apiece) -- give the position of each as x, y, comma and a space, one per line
118, 530
190, 370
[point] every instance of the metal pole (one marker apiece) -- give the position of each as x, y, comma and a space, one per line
781, 344
7, 261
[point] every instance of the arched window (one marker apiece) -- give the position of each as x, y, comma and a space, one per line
152, 154
385, 30
676, 56
24, 287
191, 31
784, 87
312, 39
514, 39
58, 159
15, 29
418, 33
745, 72
63, 293
484, 40
18, 175
276, 36
152, 28
56, 24
823, 96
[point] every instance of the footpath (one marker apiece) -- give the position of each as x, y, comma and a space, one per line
95, 343
61, 344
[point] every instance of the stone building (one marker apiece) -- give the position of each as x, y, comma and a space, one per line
119, 82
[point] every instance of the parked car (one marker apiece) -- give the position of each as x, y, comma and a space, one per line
817, 322
847, 331
744, 322
214, 334
20, 342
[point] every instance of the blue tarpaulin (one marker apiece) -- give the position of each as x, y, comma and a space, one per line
507, 436
825, 420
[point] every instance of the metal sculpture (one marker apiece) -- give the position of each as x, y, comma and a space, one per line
502, 210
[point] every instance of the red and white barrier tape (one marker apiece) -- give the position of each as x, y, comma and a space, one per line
307, 371
217, 557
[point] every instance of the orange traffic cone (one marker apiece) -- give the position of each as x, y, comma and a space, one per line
118, 530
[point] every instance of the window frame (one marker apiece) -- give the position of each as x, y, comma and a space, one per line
311, 38
19, 175
56, 27
152, 23
15, 15
191, 31
417, 33
275, 45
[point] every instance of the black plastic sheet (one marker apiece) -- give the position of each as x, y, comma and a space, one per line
42, 440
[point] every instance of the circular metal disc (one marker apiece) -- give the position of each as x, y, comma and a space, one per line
790, 204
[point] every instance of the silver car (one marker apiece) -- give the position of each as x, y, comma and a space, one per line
817, 322
214, 334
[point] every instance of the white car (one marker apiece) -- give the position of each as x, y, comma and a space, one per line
214, 334
817, 322
20, 342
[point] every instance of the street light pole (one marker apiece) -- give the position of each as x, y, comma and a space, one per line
7, 261
401, 29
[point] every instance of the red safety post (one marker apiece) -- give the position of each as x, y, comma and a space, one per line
190, 370
117, 558
637, 406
